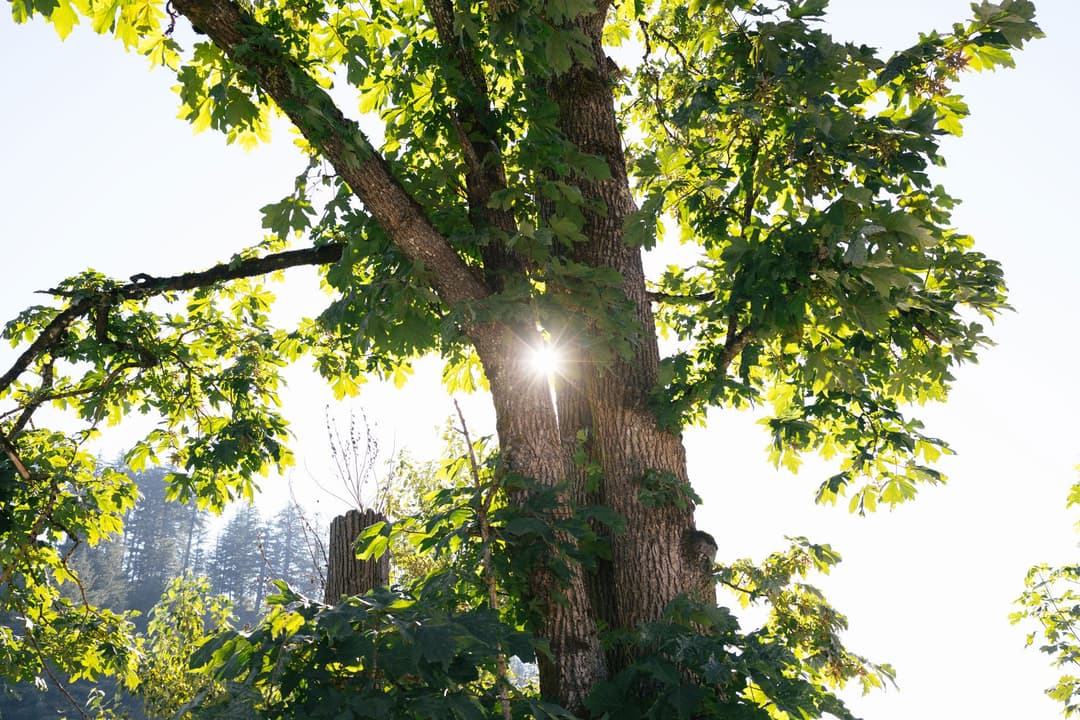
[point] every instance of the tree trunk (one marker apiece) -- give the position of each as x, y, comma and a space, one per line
529, 439
658, 557
345, 575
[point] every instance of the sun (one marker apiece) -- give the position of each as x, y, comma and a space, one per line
545, 360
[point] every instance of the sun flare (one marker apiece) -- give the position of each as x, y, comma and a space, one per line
545, 360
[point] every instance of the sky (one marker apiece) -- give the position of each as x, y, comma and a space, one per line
95, 171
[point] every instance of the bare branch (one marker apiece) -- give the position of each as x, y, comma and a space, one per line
56, 681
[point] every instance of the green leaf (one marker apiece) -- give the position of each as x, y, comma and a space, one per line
557, 52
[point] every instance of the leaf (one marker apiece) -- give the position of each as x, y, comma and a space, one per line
563, 11
612, 698
437, 643
557, 52
401, 375
373, 541
567, 230
285, 624
807, 8
63, 19
290, 214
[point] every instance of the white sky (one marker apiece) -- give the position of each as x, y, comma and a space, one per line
96, 172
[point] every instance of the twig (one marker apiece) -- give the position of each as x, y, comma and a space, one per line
48, 671
312, 540
482, 506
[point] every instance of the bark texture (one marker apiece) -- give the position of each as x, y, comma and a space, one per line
345, 574
529, 438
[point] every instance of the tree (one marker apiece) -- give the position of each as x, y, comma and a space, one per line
289, 553
160, 538
237, 567
503, 214
1051, 598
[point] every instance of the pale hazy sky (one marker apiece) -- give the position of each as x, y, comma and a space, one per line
96, 172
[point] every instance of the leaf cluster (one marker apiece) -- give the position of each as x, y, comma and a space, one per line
63, 500
828, 281
1051, 599
433, 649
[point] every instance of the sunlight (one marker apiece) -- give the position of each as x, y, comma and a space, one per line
545, 360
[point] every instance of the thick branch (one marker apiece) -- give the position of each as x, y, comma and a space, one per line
474, 119
339, 139
143, 286
474, 124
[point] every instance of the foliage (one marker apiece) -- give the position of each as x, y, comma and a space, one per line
828, 276
81, 505
800, 619
406, 493
432, 650
156, 553
800, 168
184, 617
1051, 598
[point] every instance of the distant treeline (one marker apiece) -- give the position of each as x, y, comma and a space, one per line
163, 540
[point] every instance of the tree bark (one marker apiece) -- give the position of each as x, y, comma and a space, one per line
529, 439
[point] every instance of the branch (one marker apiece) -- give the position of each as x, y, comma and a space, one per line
472, 119
255, 48
735, 343
662, 297
143, 286
33, 405
56, 681
13, 456
473, 105
751, 189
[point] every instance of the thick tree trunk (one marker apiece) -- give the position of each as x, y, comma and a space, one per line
345, 574
656, 558
529, 439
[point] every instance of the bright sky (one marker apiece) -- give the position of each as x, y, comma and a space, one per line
98, 173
